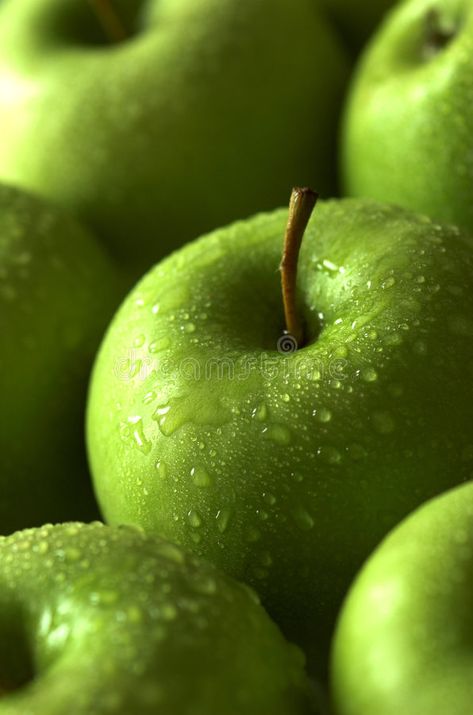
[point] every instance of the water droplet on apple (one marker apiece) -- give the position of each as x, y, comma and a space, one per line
157, 346
357, 452
189, 328
42, 547
279, 434
223, 518
253, 535
420, 347
72, 554
322, 415
162, 469
269, 498
139, 438
149, 397
105, 597
139, 341
461, 326
302, 519
329, 455
383, 422
194, 519
393, 339
396, 390
200, 477
168, 612
170, 552
265, 559
369, 374
260, 413
204, 584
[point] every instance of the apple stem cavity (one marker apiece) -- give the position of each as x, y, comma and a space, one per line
110, 20
438, 36
301, 206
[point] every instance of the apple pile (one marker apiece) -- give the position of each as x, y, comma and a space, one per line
236, 472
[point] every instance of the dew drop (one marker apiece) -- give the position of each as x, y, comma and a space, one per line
171, 553
223, 518
357, 452
194, 519
260, 413
279, 434
323, 415
329, 455
205, 585
253, 535
302, 519
369, 374
162, 469
200, 477
168, 612
139, 437
149, 397
383, 423
139, 341
158, 345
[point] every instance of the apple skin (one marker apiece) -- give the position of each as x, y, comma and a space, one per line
404, 640
111, 620
408, 128
58, 290
357, 21
209, 114
287, 470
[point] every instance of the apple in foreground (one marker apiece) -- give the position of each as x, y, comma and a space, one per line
408, 130
357, 20
95, 620
204, 90
286, 469
58, 289
404, 640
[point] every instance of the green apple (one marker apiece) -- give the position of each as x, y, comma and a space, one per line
357, 20
409, 126
218, 105
287, 469
57, 292
96, 620
404, 640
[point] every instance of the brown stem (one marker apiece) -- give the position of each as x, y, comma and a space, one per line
301, 206
110, 20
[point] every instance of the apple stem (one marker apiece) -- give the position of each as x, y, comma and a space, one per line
110, 20
301, 206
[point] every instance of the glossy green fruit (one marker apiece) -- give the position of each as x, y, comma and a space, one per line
287, 469
357, 20
408, 135
404, 641
111, 621
211, 111
57, 291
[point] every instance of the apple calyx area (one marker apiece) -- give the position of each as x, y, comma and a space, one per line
301, 206
437, 35
110, 20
